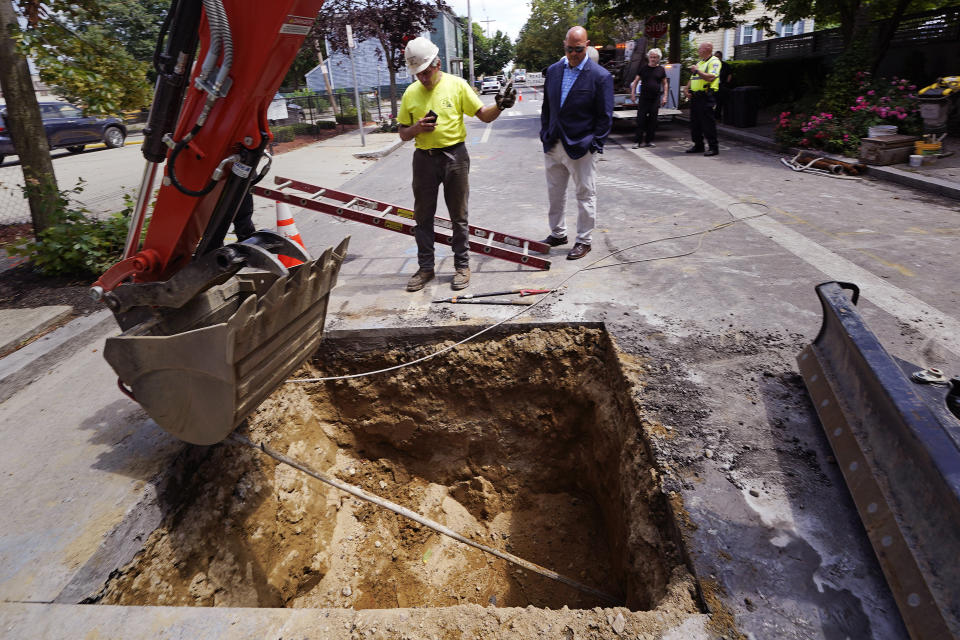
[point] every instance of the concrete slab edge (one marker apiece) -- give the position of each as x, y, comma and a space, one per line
22, 367
889, 174
924, 183
117, 550
381, 152
32, 330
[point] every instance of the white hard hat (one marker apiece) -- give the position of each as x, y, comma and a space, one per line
419, 53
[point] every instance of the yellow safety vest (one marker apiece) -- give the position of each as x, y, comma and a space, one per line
710, 65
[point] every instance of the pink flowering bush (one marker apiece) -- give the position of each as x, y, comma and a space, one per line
882, 101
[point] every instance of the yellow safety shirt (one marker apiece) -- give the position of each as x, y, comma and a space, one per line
712, 66
449, 99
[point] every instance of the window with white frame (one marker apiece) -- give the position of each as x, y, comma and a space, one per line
785, 29
747, 34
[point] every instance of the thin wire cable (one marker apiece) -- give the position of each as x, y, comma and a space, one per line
702, 233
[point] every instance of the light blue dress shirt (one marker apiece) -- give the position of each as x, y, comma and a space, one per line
570, 75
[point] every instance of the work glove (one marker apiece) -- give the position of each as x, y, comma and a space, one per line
506, 96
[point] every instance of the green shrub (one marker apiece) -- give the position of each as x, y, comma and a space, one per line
76, 244
325, 124
349, 116
289, 132
283, 134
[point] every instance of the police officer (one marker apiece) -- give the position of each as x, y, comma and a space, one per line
702, 90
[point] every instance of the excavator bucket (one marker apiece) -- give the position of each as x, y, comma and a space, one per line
895, 433
200, 370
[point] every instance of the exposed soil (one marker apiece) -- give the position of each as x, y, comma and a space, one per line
11, 232
530, 444
22, 288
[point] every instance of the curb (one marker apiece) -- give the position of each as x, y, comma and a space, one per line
22, 367
381, 152
126, 143
25, 329
939, 186
920, 182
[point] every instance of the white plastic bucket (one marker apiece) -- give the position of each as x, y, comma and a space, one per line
882, 130
916, 161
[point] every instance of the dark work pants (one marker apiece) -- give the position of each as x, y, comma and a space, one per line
450, 168
702, 122
647, 109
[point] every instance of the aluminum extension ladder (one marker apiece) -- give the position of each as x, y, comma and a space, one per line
400, 219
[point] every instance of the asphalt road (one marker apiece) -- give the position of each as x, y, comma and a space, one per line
103, 175
811, 229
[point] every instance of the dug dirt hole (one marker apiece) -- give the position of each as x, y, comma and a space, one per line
527, 441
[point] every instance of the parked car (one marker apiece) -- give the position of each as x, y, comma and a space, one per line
520, 75
68, 128
490, 83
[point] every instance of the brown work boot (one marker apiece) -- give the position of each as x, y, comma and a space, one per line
419, 280
461, 279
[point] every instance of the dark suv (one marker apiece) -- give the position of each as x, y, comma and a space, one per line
67, 128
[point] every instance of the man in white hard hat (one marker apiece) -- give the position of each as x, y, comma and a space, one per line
431, 112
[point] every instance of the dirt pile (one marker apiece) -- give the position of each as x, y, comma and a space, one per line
529, 443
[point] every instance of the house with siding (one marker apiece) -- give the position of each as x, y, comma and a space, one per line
446, 32
726, 39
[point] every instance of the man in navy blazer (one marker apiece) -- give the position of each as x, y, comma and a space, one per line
577, 112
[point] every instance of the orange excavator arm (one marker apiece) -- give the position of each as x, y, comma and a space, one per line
204, 342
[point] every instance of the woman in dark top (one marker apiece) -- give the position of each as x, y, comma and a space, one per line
654, 90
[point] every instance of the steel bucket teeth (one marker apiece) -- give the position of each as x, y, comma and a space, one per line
199, 384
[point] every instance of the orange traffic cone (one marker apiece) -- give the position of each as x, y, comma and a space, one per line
519, 97
287, 228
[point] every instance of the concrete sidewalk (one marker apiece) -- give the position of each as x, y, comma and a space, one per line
940, 177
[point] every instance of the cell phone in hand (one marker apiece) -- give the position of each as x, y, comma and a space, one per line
431, 114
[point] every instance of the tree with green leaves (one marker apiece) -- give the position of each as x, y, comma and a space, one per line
389, 22
76, 53
135, 24
82, 62
24, 122
540, 42
490, 55
684, 16
610, 29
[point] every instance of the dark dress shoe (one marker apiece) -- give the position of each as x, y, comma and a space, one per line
554, 241
694, 150
579, 250
711, 152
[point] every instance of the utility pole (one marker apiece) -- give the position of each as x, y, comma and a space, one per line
356, 88
488, 25
326, 76
469, 41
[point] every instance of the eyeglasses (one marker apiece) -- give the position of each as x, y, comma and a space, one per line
580, 49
